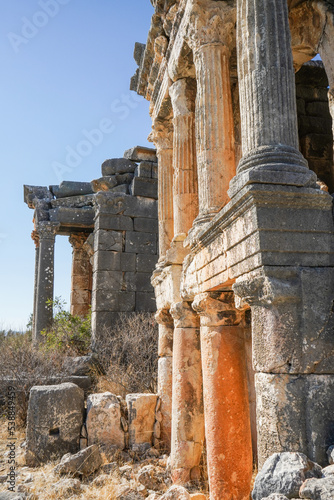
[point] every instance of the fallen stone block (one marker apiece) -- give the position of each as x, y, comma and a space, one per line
318, 489
104, 420
83, 463
141, 411
104, 183
65, 488
140, 153
80, 365
328, 471
117, 166
284, 473
55, 416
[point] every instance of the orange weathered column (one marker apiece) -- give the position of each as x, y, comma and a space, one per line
227, 418
187, 401
185, 186
162, 137
165, 373
81, 289
214, 136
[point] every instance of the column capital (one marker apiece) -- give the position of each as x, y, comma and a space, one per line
211, 26
183, 96
35, 237
184, 316
77, 240
162, 134
268, 290
47, 230
163, 317
217, 308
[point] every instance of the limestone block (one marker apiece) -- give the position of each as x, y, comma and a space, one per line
328, 471
276, 496
282, 403
144, 169
143, 282
114, 222
73, 201
117, 166
80, 365
317, 146
113, 301
318, 489
71, 188
104, 420
109, 281
132, 206
121, 188
198, 496
284, 473
136, 242
145, 301
140, 153
128, 261
144, 187
104, 183
154, 171
84, 462
54, 421
71, 216
141, 410
108, 241
145, 263
107, 261
146, 225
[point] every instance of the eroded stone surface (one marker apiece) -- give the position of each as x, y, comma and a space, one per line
104, 420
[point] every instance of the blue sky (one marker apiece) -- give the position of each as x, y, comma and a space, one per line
65, 67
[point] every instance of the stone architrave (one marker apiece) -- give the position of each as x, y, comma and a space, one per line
44, 296
81, 288
226, 405
185, 186
162, 137
187, 397
210, 40
165, 373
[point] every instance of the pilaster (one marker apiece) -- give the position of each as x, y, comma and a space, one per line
81, 287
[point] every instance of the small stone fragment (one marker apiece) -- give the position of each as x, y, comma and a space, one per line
176, 493
328, 471
65, 488
318, 489
84, 462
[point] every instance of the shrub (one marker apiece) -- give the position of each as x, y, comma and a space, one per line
69, 334
128, 353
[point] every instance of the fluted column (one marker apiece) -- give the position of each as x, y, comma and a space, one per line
81, 287
267, 91
162, 137
165, 373
214, 128
35, 238
187, 400
43, 312
226, 406
185, 186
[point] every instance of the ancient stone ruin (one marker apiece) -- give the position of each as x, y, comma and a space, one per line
244, 283
112, 227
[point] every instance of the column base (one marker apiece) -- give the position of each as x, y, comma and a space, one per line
273, 165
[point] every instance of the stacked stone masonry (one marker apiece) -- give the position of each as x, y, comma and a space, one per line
113, 229
244, 281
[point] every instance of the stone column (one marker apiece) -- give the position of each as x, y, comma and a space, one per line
165, 373
187, 404
162, 137
227, 418
267, 97
43, 312
81, 287
185, 186
215, 137
35, 238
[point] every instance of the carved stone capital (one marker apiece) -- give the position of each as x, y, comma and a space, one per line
35, 237
47, 230
162, 135
217, 309
77, 240
184, 316
211, 25
267, 290
163, 317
